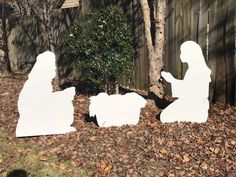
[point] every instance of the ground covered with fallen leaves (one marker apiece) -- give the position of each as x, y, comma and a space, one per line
150, 148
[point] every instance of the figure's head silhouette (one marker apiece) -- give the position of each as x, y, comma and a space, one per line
191, 53
44, 68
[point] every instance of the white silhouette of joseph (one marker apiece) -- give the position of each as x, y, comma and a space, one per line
42, 111
193, 91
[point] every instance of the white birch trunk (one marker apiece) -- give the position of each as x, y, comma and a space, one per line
155, 49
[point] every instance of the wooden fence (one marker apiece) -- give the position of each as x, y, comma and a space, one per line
210, 23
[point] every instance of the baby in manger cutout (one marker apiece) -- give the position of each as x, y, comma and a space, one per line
42, 111
192, 92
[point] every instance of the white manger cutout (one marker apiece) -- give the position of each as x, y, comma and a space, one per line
192, 92
42, 111
116, 110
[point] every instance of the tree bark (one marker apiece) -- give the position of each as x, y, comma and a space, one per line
4, 60
155, 48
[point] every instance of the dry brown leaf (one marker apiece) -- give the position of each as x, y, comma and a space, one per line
185, 158
53, 165
62, 166
23, 151
200, 142
212, 149
153, 124
160, 140
163, 151
93, 138
46, 163
20, 150
185, 140
178, 156
216, 150
204, 166
53, 150
69, 170
160, 155
107, 170
42, 157
170, 129
211, 169
119, 140
73, 163
227, 144
103, 164
177, 168
170, 143
105, 167
104, 161
0, 161
131, 171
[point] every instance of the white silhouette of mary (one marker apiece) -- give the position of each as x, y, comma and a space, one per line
193, 91
42, 111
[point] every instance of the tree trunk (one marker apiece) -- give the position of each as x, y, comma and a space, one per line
4, 60
155, 48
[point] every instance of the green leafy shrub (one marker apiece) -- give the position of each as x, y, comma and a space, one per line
100, 47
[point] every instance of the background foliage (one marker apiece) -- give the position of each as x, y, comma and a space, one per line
100, 47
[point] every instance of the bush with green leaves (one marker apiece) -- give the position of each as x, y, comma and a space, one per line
100, 47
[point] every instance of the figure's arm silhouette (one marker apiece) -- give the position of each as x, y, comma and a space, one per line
176, 84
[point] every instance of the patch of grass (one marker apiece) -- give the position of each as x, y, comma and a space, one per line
18, 156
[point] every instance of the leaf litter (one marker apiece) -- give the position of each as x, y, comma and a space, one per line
150, 148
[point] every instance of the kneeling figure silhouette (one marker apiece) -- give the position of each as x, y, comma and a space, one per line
192, 92
42, 111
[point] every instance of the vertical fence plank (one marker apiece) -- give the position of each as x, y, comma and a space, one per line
187, 11
203, 29
194, 19
202, 26
229, 50
136, 26
178, 38
212, 47
141, 55
142, 60
216, 49
128, 9
220, 88
145, 68
169, 54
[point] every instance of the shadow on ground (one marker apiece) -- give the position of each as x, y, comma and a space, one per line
17, 173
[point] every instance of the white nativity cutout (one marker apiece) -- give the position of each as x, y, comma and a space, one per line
116, 110
42, 111
192, 92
